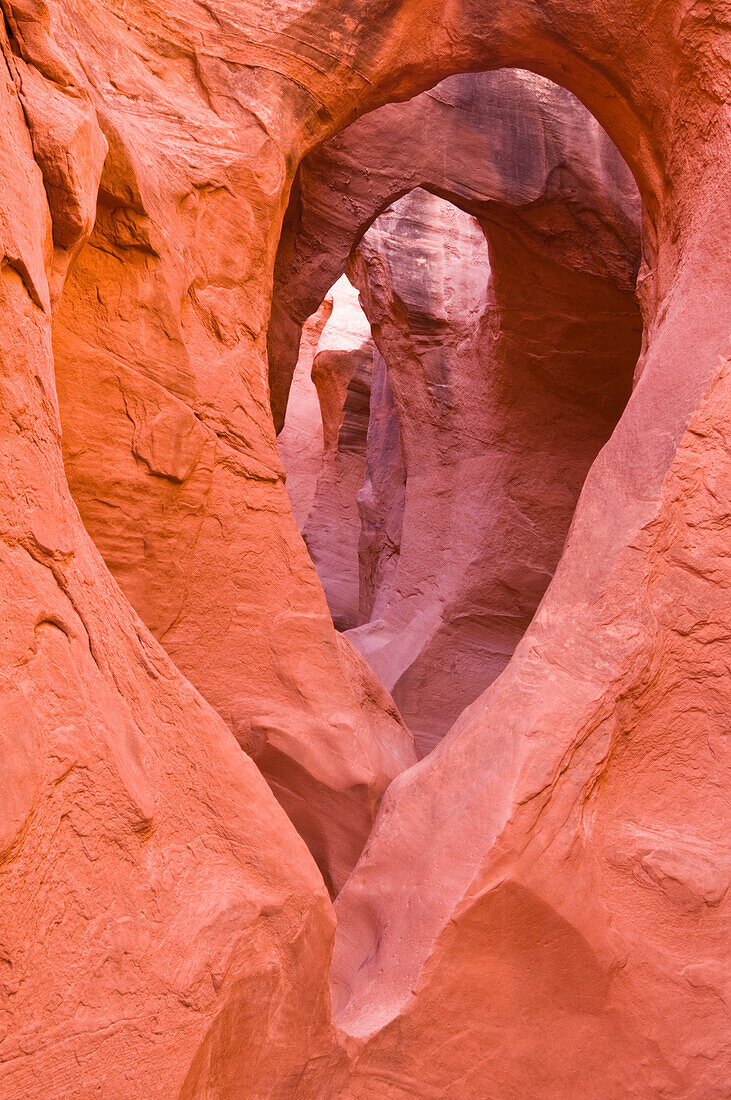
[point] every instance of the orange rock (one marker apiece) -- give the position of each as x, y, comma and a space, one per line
171, 460
542, 907
151, 888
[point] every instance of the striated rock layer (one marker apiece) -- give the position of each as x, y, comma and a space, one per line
543, 905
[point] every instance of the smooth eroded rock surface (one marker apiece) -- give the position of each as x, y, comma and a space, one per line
172, 463
542, 907
510, 343
151, 888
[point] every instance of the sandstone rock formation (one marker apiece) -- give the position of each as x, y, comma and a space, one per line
542, 907
300, 442
172, 463
507, 383
512, 138
341, 374
151, 888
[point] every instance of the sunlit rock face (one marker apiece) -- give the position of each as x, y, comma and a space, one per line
542, 904
341, 372
342, 453
301, 443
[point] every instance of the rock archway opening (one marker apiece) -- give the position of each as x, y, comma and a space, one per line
484, 240
541, 905
455, 386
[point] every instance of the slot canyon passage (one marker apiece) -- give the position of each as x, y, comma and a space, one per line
505, 373
434, 800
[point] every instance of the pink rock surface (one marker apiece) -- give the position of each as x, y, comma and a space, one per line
543, 906
498, 432
381, 499
512, 138
593, 881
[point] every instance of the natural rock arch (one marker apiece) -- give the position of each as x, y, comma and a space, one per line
606, 720
513, 140
560, 212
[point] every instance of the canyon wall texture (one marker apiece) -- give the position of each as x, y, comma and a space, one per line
542, 904
510, 346
173, 468
151, 885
